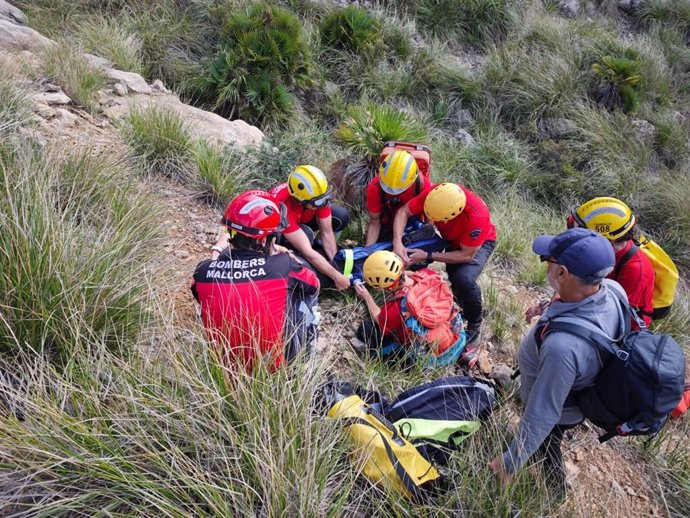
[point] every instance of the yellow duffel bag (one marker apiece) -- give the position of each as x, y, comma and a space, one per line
386, 457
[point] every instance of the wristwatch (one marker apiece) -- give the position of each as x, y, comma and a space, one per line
429, 257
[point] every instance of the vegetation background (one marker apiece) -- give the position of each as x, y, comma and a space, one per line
109, 407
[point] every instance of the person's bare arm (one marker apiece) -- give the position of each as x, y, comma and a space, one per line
464, 255
373, 229
399, 224
299, 240
363, 293
328, 236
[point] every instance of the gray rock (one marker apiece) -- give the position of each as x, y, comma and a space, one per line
11, 14
97, 61
44, 110
629, 6
590, 9
644, 130
120, 89
464, 137
33, 135
158, 86
52, 98
569, 8
557, 128
182, 254
501, 374
202, 124
465, 119
65, 118
18, 37
134, 82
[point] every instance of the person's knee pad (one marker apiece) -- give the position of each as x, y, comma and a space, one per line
341, 218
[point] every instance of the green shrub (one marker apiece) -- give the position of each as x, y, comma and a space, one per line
79, 80
620, 79
76, 242
370, 125
353, 29
161, 139
262, 59
675, 12
109, 39
472, 21
222, 173
494, 163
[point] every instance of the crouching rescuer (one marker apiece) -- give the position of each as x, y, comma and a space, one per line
256, 302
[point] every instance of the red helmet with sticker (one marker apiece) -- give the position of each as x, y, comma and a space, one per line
254, 214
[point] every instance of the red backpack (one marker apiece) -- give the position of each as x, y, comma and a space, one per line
435, 316
683, 404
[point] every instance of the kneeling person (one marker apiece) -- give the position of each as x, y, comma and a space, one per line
307, 197
256, 303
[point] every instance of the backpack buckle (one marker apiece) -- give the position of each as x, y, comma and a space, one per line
622, 355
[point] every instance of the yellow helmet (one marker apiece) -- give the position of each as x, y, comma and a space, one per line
307, 183
610, 217
382, 269
444, 202
397, 172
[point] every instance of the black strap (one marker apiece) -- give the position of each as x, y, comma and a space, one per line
400, 470
626, 257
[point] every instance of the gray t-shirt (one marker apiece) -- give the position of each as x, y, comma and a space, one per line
564, 362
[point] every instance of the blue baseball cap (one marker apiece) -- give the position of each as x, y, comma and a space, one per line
585, 253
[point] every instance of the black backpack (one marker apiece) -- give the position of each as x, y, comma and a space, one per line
437, 416
642, 379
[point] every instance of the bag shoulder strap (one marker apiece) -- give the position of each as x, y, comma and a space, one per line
400, 470
626, 257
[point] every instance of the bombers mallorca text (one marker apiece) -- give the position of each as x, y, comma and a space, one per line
236, 269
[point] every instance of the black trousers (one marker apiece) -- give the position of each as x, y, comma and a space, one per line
463, 282
340, 217
379, 345
550, 450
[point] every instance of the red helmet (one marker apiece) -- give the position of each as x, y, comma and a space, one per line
254, 214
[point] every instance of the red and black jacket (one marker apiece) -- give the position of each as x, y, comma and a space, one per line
249, 299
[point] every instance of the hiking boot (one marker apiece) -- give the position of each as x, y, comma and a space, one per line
473, 332
422, 233
469, 357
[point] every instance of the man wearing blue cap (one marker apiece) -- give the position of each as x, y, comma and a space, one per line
578, 261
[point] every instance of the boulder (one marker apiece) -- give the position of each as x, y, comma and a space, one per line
97, 61
51, 98
465, 118
44, 110
644, 130
11, 14
65, 118
501, 374
569, 8
557, 128
18, 37
120, 89
464, 137
629, 6
158, 86
202, 124
134, 82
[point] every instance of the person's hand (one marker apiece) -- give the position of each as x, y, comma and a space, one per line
401, 252
416, 255
361, 290
341, 282
533, 311
499, 470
